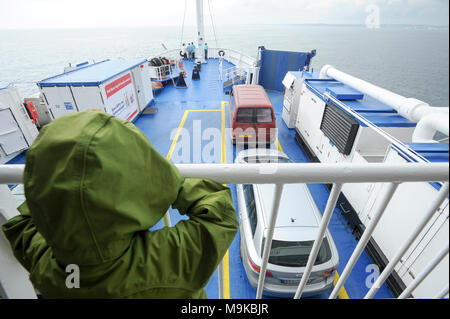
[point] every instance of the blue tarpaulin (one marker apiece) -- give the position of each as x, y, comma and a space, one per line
275, 64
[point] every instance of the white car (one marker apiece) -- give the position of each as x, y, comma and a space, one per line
295, 231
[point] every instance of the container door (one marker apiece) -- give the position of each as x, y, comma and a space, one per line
11, 137
88, 98
143, 90
60, 100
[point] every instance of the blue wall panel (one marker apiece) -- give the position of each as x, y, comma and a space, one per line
275, 64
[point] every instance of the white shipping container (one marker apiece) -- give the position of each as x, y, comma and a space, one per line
17, 131
118, 87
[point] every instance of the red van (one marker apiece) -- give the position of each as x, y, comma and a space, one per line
254, 119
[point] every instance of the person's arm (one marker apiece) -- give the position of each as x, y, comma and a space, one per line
27, 243
192, 250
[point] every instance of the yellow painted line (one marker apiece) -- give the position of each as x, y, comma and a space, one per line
279, 146
224, 155
226, 258
177, 136
342, 292
218, 110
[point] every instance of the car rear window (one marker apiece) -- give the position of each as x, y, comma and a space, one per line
295, 254
254, 115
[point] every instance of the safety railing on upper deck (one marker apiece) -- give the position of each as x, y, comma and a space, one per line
336, 174
233, 75
241, 61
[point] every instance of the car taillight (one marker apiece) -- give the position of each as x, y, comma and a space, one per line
257, 269
329, 272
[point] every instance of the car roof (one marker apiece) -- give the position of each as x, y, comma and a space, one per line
297, 212
251, 96
260, 152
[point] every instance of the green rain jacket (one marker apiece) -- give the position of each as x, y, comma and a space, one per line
94, 185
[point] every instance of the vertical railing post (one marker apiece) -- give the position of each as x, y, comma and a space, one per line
362, 243
221, 275
331, 204
441, 294
268, 244
425, 272
166, 220
434, 206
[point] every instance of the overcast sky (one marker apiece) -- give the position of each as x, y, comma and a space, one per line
120, 13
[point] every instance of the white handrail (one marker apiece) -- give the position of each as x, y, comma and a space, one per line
281, 174
331, 204
311, 173
428, 269
434, 206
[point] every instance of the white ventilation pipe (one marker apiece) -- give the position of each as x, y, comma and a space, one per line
428, 126
412, 109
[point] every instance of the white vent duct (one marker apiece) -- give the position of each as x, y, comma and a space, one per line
431, 119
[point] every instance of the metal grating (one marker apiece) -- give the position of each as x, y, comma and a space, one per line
340, 128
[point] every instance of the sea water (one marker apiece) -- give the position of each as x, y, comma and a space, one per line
411, 61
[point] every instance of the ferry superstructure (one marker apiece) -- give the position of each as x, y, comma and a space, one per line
369, 156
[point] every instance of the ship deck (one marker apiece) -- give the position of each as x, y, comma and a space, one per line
204, 105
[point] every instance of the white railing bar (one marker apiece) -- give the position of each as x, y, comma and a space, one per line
434, 206
167, 221
268, 243
367, 235
442, 294
221, 278
311, 173
425, 272
331, 204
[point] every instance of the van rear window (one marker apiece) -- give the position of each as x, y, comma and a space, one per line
264, 115
296, 254
245, 115
254, 115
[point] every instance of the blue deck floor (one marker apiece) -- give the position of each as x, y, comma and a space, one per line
207, 94
201, 105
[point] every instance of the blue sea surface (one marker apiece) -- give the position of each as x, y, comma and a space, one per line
411, 61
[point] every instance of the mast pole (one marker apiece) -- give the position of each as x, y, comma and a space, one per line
200, 52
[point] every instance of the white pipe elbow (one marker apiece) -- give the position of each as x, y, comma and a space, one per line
427, 127
324, 71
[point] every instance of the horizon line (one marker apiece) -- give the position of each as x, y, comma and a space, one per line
227, 25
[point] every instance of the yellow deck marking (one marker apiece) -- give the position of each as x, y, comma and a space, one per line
342, 292
206, 110
226, 259
279, 146
177, 136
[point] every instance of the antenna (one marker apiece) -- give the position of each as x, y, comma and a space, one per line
200, 54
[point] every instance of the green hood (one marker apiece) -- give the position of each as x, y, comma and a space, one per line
85, 192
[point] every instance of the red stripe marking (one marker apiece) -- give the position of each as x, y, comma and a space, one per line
117, 85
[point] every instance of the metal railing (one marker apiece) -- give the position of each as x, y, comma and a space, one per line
232, 75
237, 58
316, 173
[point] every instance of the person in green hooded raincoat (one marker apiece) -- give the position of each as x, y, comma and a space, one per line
94, 186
